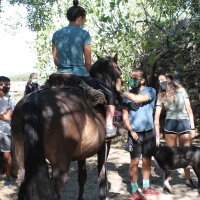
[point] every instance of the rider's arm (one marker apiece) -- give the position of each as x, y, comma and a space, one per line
54, 52
87, 55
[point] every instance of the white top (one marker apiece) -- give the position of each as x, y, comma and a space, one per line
176, 110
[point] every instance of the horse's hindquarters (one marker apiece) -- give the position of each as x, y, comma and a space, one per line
72, 128
93, 136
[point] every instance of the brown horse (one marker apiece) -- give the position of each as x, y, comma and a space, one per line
60, 125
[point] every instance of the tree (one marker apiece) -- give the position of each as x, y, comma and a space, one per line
142, 31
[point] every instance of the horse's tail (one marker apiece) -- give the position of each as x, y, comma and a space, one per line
37, 184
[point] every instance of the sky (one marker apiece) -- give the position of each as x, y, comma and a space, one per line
16, 56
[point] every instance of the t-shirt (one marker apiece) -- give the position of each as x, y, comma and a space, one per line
70, 42
141, 114
7, 102
177, 109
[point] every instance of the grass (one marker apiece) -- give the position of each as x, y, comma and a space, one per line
17, 96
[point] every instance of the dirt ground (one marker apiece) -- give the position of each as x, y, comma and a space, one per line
118, 180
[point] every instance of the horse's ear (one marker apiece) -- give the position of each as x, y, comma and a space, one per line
98, 57
115, 58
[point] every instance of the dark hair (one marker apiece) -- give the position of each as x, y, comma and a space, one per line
142, 73
32, 74
75, 11
169, 77
4, 79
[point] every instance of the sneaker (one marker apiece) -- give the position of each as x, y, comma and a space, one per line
137, 196
190, 184
111, 132
7, 182
150, 191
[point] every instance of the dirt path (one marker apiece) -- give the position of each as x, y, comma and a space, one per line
118, 181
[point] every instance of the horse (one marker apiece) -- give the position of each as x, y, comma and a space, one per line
59, 125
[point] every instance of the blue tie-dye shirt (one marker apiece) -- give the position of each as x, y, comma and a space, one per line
141, 114
70, 42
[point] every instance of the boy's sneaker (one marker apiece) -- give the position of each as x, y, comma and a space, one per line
111, 132
150, 191
189, 183
7, 182
137, 196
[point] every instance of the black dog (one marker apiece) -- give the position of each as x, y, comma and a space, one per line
177, 157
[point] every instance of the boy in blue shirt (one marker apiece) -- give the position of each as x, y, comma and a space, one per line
138, 105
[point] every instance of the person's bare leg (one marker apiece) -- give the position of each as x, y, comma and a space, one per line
146, 173
110, 129
171, 141
184, 140
146, 168
133, 170
110, 110
8, 161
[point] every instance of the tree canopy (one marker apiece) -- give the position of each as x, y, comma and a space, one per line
142, 31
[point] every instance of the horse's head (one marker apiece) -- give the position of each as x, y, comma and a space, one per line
106, 70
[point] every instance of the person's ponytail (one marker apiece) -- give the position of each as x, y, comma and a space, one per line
75, 3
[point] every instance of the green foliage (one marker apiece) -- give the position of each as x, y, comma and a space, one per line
25, 77
39, 12
20, 77
141, 31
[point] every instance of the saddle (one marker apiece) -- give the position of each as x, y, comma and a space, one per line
65, 80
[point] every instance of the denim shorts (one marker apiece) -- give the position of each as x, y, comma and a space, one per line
144, 146
174, 126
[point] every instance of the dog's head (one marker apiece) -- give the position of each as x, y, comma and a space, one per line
157, 149
162, 152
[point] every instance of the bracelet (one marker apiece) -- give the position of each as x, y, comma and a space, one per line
193, 128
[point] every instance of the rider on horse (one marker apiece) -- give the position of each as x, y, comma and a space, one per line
69, 45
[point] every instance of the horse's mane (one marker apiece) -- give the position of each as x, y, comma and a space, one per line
104, 70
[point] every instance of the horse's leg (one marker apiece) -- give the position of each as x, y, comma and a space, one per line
59, 175
102, 174
108, 144
82, 177
21, 174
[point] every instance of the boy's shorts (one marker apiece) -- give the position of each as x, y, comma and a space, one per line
5, 143
145, 145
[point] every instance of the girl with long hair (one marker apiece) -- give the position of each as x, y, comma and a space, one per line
179, 123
